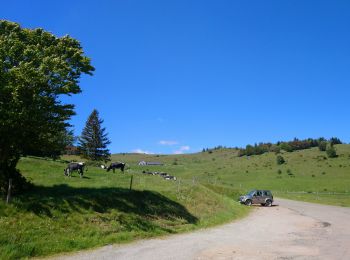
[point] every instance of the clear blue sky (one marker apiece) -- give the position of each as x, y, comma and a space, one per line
183, 75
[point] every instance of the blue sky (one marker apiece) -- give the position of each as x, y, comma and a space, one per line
177, 76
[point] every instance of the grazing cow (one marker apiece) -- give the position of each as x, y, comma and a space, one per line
169, 177
74, 166
117, 165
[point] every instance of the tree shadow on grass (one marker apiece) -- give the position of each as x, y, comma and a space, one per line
144, 205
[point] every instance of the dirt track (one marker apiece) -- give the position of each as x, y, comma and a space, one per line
289, 230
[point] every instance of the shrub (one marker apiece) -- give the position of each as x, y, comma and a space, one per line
275, 149
280, 160
241, 152
331, 152
322, 146
279, 171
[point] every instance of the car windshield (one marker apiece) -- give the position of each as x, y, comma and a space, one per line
251, 193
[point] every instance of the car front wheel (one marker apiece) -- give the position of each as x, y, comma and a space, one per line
248, 202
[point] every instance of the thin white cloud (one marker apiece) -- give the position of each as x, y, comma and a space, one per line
141, 151
182, 149
168, 142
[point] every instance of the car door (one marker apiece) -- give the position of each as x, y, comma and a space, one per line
256, 197
264, 196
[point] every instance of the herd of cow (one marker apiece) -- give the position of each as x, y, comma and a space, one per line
161, 174
80, 167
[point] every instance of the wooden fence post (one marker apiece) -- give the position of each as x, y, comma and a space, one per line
132, 176
8, 199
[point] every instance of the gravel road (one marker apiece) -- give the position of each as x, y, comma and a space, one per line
288, 230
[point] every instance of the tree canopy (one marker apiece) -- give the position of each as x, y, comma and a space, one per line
36, 69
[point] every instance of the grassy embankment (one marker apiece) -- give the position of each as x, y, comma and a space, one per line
67, 214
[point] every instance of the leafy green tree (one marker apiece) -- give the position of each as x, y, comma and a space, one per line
58, 145
322, 146
331, 152
249, 150
286, 147
36, 69
93, 141
275, 149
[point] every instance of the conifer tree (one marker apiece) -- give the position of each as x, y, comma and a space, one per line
93, 141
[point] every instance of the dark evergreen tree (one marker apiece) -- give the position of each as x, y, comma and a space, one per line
335, 140
93, 141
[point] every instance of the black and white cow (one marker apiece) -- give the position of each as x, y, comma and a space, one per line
169, 177
74, 166
116, 165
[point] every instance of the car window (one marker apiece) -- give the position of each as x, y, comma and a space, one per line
258, 193
267, 193
251, 193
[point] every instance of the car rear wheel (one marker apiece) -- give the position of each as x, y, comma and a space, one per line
248, 202
268, 203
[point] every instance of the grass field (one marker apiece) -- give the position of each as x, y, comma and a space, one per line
307, 174
65, 214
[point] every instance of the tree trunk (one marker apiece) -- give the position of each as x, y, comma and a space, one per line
7, 171
8, 199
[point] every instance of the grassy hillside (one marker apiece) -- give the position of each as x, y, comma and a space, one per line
65, 214
307, 174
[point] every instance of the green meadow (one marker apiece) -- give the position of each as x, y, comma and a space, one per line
63, 214
307, 175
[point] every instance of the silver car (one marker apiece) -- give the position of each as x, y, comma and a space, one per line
263, 197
